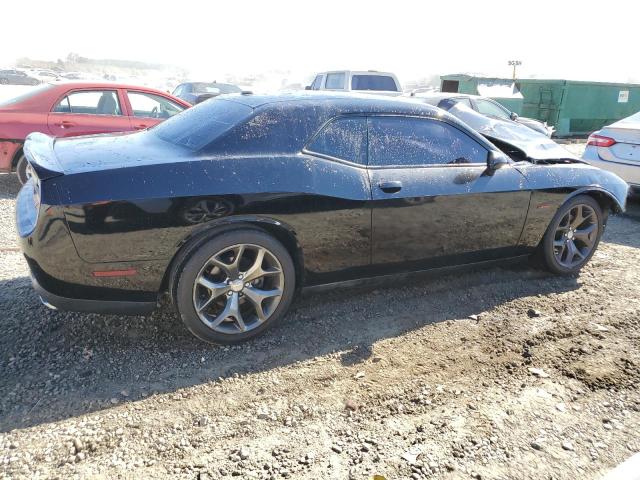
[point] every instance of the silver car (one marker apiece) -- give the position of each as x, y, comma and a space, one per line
616, 148
487, 106
17, 77
521, 143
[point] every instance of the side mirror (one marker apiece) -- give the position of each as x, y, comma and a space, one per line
495, 161
514, 116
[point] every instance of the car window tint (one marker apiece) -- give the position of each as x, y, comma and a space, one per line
400, 141
373, 82
343, 138
149, 105
94, 102
334, 81
486, 107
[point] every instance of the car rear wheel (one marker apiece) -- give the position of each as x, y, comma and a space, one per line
22, 170
235, 286
573, 235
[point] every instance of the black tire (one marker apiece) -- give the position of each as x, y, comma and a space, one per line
548, 252
21, 169
186, 275
4, 81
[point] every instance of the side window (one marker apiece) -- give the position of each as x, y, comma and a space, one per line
343, 138
405, 141
463, 101
335, 81
373, 82
486, 107
94, 102
316, 83
62, 106
178, 91
152, 106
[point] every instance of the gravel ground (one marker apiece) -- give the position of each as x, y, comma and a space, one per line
492, 374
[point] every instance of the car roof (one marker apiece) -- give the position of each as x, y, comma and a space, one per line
68, 84
359, 72
441, 95
338, 102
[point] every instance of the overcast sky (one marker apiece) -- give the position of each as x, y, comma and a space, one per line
569, 39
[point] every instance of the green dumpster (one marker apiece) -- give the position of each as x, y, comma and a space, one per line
574, 108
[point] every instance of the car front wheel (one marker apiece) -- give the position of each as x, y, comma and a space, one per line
573, 235
235, 286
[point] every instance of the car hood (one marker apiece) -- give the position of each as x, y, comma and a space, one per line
535, 145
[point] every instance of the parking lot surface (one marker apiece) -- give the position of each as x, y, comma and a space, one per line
501, 373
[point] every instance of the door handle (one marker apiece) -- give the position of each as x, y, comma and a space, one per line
66, 124
140, 126
390, 187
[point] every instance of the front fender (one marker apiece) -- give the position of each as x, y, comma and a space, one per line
618, 203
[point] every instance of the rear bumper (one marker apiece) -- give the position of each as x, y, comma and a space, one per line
8, 149
117, 307
628, 172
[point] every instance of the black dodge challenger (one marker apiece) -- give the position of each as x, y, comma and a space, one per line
234, 205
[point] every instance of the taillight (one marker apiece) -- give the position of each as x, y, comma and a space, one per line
600, 141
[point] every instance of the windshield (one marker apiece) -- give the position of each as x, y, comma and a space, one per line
32, 92
198, 126
215, 88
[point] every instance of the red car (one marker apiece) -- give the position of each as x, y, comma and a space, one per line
78, 108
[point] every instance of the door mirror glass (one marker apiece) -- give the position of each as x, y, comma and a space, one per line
514, 116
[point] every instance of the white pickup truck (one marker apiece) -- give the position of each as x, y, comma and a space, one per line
370, 81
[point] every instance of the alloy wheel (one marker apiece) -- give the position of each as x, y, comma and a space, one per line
575, 236
238, 288
206, 210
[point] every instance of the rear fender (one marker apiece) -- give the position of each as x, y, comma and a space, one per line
283, 232
10, 151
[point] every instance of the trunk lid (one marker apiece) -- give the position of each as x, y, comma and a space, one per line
627, 137
39, 152
50, 157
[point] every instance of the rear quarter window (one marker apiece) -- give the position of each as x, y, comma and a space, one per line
200, 125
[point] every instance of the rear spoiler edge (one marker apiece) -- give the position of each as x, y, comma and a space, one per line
39, 152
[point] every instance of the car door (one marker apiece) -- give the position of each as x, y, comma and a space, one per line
148, 109
88, 111
434, 201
